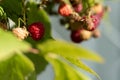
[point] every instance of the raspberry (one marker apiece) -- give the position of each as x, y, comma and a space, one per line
86, 34
75, 17
96, 20
21, 33
98, 8
36, 30
92, 22
80, 35
88, 23
65, 9
78, 7
75, 36
100, 15
96, 33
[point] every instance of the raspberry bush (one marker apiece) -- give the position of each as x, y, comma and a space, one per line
27, 47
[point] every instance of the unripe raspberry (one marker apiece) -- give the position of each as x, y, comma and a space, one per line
65, 9
75, 17
96, 33
98, 8
21, 33
96, 20
100, 15
78, 8
90, 25
36, 30
86, 35
92, 22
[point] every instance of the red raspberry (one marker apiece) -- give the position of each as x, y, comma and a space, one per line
65, 9
36, 30
78, 8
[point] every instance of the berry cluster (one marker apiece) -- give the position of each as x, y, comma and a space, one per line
82, 16
36, 31
83, 20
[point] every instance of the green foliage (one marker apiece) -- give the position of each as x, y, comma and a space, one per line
9, 45
68, 50
18, 67
39, 62
81, 65
2, 14
13, 8
63, 71
14, 65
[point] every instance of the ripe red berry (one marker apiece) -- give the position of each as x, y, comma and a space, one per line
36, 30
65, 9
78, 8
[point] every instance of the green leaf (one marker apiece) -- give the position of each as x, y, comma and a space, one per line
81, 65
63, 71
38, 15
14, 65
3, 15
13, 8
18, 67
39, 62
68, 50
9, 44
3, 19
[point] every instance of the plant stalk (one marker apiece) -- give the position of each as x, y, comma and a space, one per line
24, 12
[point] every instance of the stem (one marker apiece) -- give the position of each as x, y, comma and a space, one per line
20, 20
24, 12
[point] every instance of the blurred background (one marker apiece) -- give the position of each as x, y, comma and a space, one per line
108, 45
